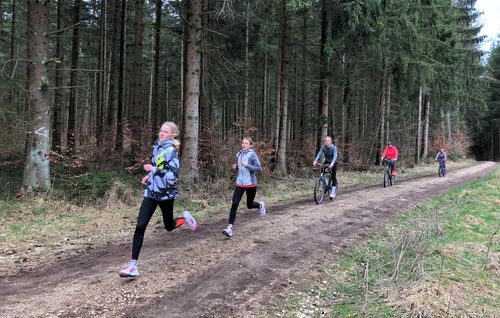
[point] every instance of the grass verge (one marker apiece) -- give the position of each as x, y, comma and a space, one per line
439, 260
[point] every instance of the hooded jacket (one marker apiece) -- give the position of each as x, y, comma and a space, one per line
246, 175
163, 179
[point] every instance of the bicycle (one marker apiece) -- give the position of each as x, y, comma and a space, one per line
322, 185
389, 179
441, 168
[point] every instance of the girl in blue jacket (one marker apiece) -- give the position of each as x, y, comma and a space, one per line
160, 189
248, 164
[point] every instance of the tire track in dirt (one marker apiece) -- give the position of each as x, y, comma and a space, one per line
201, 274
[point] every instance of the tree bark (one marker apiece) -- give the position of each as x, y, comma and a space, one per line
36, 175
304, 109
114, 70
324, 76
247, 62
382, 109
13, 51
206, 71
73, 79
155, 95
136, 104
100, 82
419, 125
388, 113
57, 128
121, 79
190, 135
282, 162
426, 127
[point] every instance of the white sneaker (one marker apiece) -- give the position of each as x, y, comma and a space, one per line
262, 208
129, 269
190, 221
228, 232
333, 192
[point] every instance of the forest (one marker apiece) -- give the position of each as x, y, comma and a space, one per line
86, 84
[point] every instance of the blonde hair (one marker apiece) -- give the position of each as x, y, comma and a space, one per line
249, 140
175, 132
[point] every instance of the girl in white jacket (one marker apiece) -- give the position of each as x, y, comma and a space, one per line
248, 164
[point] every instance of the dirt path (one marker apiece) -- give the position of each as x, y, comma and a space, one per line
203, 274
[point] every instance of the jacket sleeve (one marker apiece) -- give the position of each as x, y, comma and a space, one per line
334, 154
321, 150
254, 163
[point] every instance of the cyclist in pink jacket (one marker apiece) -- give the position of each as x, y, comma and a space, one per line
391, 153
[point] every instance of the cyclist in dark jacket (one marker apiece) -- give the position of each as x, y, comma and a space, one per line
442, 157
329, 150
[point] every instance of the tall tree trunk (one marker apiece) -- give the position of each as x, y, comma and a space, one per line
324, 76
57, 128
206, 70
279, 82
304, 109
419, 125
155, 95
101, 65
113, 70
190, 135
265, 117
448, 127
388, 113
382, 109
73, 79
283, 119
13, 51
36, 175
121, 79
247, 65
136, 105
426, 126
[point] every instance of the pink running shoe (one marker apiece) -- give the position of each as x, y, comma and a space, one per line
191, 222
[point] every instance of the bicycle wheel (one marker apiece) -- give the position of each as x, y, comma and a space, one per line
440, 172
392, 180
319, 190
386, 179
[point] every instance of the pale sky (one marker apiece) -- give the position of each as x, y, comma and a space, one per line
490, 20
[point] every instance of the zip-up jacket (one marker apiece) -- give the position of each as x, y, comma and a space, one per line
163, 179
246, 175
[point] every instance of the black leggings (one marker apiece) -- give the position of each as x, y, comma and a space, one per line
146, 211
333, 177
237, 195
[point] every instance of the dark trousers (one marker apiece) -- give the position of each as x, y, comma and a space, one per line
146, 211
237, 195
333, 176
392, 164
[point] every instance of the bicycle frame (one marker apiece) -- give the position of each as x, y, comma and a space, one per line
389, 179
322, 185
442, 168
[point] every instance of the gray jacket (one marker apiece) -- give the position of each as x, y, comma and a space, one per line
246, 175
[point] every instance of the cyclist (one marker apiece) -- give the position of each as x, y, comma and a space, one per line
330, 151
442, 157
391, 152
